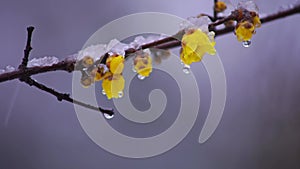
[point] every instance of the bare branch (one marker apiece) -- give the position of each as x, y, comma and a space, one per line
64, 96
23, 73
166, 43
66, 65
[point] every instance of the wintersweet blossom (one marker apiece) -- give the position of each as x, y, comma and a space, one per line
113, 85
220, 6
143, 63
196, 43
115, 63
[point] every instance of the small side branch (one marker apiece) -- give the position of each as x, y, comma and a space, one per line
27, 49
63, 96
215, 12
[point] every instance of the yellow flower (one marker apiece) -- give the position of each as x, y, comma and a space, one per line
195, 43
87, 61
256, 21
220, 6
113, 86
86, 81
98, 73
143, 63
244, 31
115, 63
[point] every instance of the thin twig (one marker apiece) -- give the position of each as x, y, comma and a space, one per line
64, 96
27, 49
215, 12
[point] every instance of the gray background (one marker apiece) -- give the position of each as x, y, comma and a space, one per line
259, 129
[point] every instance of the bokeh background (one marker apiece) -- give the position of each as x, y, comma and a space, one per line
261, 122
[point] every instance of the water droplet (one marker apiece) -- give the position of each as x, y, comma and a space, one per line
108, 116
186, 69
103, 92
247, 43
120, 94
141, 77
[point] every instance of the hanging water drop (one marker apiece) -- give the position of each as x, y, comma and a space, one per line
247, 43
120, 94
186, 69
108, 116
141, 77
103, 92
133, 69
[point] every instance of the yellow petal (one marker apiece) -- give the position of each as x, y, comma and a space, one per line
220, 6
195, 44
113, 85
256, 21
244, 31
115, 63
143, 64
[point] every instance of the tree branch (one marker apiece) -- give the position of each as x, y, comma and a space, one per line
166, 43
23, 73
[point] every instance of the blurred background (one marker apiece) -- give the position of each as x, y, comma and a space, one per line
259, 129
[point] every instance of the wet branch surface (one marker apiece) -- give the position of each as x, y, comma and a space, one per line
24, 73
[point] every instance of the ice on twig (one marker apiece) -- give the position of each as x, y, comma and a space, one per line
9, 68
196, 23
44, 61
141, 40
2, 71
117, 47
94, 51
71, 57
249, 5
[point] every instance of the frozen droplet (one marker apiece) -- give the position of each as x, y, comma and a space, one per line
141, 77
95, 51
196, 23
247, 43
9, 68
103, 92
133, 69
186, 69
249, 5
120, 94
45, 61
108, 116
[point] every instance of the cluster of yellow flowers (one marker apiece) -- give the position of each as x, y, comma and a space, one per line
112, 79
110, 74
196, 41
